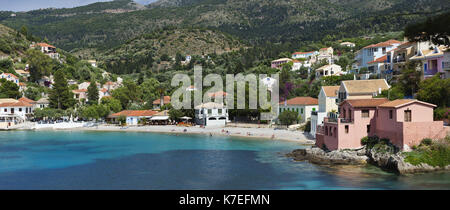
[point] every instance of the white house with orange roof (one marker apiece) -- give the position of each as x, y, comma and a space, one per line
302, 105
329, 70
10, 77
47, 49
304, 55
371, 53
327, 106
80, 94
13, 112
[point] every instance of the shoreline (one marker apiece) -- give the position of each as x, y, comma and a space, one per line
241, 132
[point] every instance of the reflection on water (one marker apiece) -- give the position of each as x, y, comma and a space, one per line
114, 160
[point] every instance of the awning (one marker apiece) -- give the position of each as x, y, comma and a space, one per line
185, 118
160, 118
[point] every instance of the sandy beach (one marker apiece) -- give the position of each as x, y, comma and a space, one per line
261, 133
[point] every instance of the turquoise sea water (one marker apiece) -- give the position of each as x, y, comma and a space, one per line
119, 160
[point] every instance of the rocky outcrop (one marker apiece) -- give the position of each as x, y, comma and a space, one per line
388, 161
396, 163
318, 156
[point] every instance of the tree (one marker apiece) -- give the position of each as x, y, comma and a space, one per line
9, 89
60, 96
40, 64
288, 117
435, 90
435, 29
395, 92
93, 93
112, 104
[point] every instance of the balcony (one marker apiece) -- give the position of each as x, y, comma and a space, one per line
346, 121
399, 60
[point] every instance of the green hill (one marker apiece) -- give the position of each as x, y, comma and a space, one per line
11, 42
109, 24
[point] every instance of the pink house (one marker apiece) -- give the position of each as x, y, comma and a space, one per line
404, 122
277, 64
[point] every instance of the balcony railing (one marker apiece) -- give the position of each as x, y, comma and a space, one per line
399, 60
346, 120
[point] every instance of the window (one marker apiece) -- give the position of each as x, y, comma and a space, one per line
346, 129
408, 116
343, 113
391, 114
6, 110
20, 109
301, 110
365, 113
368, 128
209, 111
220, 111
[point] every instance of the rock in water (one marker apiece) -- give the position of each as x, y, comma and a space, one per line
318, 156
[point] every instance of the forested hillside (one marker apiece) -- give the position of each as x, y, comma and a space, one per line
106, 25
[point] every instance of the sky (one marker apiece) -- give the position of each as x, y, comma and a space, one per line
27, 5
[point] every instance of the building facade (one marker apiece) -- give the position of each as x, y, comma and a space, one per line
211, 114
302, 105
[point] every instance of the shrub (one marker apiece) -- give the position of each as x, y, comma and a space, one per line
426, 142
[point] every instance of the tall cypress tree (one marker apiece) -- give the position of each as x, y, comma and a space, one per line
60, 96
93, 93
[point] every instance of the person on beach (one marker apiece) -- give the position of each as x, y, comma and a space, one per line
185, 130
210, 134
273, 136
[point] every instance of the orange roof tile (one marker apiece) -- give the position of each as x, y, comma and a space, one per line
402, 102
15, 104
301, 53
11, 75
45, 45
383, 44
134, 113
331, 91
363, 103
27, 100
79, 90
379, 60
166, 100
301, 101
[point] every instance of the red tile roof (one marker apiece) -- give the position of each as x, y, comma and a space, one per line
15, 104
45, 45
301, 101
218, 93
27, 100
301, 53
379, 60
79, 90
365, 103
11, 75
134, 113
383, 44
166, 100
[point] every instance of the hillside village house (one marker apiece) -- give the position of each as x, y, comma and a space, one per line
93, 63
42, 103
211, 114
302, 105
85, 85
23, 73
373, 52
361, 89
133, 117
299, 64
277, 64
304, 55
329, 70
80, 94
327, 106
47, 49
348, 44
13, 112
432, 61
326, 54
157, 104
10, 77
405, 122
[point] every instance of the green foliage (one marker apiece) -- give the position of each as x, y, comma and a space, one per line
48, 113
382, 145
40, 64
435, 29
92, 93
442, 113
434, 154
60, 96
9, 89
395, 92
288, 117
112, 104
427, 142
435, 90
128, 94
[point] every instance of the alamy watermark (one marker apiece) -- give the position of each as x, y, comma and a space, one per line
263, 92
